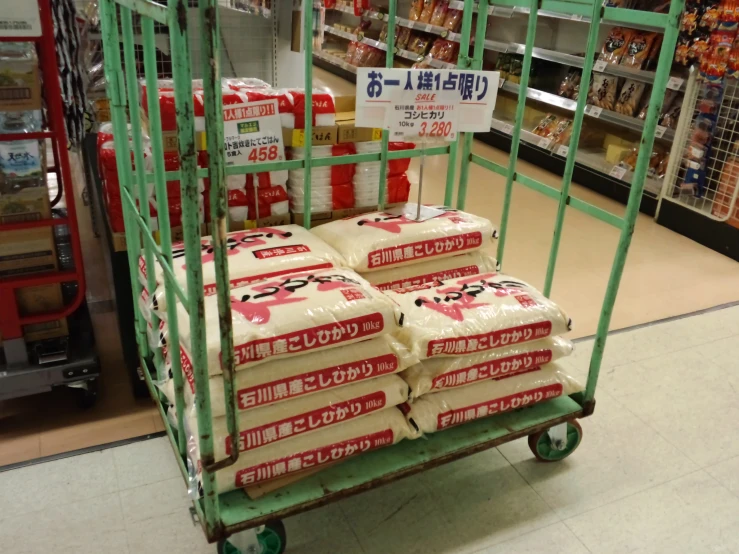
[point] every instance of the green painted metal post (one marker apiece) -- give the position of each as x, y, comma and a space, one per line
117, 95
389, 63
635, 195
182, 76
516, 136
211, 47
308, 146
587, 69
165, 233
476, 64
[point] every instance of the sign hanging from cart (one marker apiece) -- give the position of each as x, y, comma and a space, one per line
426, 103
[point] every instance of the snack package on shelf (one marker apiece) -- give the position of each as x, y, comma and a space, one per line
671, 115
546, 126
637, 51
419, 44
562, 132
254, 256
616, 45
441, 410
475, 314
331, 187
603, 91
453, 20
628, 99
438, 374
445, 50
404, 36
440, 12
427, 11
378, 240
435, 270
644, 104
416, 9
570, 85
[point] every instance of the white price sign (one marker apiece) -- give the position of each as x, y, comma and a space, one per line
659, 132
507, 128
545, 142
430, 103
563, 151
593, 111
599, 65
618, 172
20, 18
675, 83
252, 133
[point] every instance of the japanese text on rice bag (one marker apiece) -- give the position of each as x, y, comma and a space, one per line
253, 256
474, 314
377, 240
296, 314
441, 373
438, 411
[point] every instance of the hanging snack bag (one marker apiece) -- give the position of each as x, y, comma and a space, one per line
638, 49
439, 374
474, 314
378, 240
436, 412
615, 45
628, 100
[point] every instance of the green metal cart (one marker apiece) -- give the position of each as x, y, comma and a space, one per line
238, 523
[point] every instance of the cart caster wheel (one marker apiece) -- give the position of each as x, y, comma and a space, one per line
88, 395
272, 540
543, 449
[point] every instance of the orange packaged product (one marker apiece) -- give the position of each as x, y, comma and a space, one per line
428, 10
416, 9
404, 36
440, 11
453, 20
615, 45
638, 49
419, 44
546, 126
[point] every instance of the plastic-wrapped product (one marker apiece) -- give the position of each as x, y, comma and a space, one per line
616, 45
254, 255
340, 174
271, 424
295, 314
474, 314
638, 49
440, 11
438, 411
628, 100
428, 9
324, 110
439, 374
453, 20
320, 448
463, 265
603, 91
416, 9
333, 197
378, 240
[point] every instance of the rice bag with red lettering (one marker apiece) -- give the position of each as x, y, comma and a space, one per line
324, 110
474, 314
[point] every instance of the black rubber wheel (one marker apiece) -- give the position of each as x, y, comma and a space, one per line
542, 449
273, 540
89, 396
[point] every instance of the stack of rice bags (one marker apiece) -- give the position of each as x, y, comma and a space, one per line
305, 398
396, 251
367, 177
488, 343
331, 186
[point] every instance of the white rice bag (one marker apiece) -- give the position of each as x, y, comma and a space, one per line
377, 240
436, 412
286, 420
435, 270
253, 256
320, 448
474, 314
295, 314
445, 373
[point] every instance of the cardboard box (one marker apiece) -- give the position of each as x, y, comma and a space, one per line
321, 136
178, 233
271, 221
20, 85
29, 204
347, 132
319, 218
27, 251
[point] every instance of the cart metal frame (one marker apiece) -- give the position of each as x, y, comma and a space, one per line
224, 515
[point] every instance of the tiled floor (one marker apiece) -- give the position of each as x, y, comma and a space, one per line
657, 472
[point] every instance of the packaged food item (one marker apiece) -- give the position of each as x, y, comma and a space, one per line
662, 166
474, 314
562, 132
419, 44
699, 45
615, 45
682, 49
638, 49
403, 37
441, 410
603, 91
463, 265
453, 20
670, 117
653, 58
629, 161
378, 240
440, 13
427, 12
711, 15
546, 126
439, 374
655, 160
628, 100
318, 449
416, 9
568, 84
645, 104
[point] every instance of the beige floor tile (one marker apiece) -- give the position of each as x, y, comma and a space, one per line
555, 539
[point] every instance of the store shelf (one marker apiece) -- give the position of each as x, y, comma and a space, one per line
335, 60
403, 22
607, 116
407, 54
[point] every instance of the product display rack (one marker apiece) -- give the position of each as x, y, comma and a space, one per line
233, 518
599, 173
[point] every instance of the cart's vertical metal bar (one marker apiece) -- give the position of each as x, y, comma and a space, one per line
129, 58
587, 70
308, 144
389, 62
165, 233
463, 62
182, 77
117, 96
476, 64
516, 136
211, 48
635, 195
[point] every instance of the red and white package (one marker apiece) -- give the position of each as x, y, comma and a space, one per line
405, 276
284, 99
474, 314
340, 174
317, 449
271, 424
441, 410
324, 109
253, 256
377, 240
439, 374
296, 314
